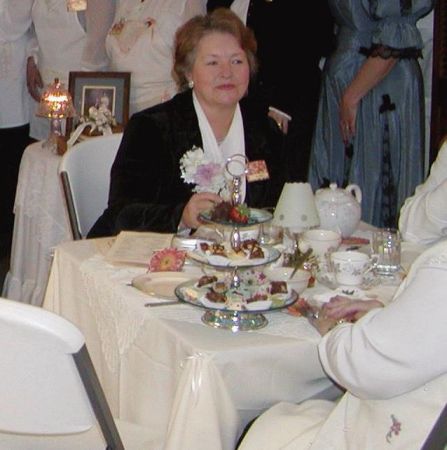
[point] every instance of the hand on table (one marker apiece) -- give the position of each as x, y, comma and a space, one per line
340, 307
302, 308
197, 204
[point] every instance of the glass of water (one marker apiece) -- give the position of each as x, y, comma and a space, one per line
385, 248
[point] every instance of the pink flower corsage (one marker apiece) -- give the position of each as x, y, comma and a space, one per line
167, 260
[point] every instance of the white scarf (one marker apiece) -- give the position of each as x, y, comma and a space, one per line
233, 144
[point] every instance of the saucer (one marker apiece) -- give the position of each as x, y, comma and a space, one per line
328, 279
352, 292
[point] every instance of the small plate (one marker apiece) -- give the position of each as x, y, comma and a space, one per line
270, 254
189, 292
160, 284
256, 216
352, 292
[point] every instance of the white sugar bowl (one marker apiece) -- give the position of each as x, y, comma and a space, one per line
339, 209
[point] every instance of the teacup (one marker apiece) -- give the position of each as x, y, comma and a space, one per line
322, 241
350, 267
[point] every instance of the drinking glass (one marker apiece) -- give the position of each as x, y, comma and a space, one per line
269, 233
385, 246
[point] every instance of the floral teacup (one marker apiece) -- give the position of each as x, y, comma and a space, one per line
350, 267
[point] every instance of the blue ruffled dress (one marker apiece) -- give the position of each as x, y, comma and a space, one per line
386, 155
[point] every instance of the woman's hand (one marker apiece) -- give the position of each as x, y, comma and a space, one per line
322, 323
369, 75
198, 203
281, 120
341, 307
348, 114
33, 79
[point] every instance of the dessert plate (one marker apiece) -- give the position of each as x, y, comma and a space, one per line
160, 284
234, 260
190, 293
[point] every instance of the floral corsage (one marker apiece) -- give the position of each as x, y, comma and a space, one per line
206, 175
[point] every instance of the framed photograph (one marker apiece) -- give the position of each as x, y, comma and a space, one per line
99, 93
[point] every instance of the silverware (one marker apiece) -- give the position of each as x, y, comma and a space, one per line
153, 305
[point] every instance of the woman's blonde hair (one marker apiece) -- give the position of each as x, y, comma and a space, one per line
221, 20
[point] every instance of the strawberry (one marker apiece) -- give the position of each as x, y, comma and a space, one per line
239, 214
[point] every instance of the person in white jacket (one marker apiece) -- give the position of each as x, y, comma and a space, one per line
69, 36
392, 363
141, 42
423, 217
14, 109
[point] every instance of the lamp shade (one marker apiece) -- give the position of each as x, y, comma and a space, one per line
296, 207
56, 102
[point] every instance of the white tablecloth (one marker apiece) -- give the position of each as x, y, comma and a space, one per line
164, 368
40, 224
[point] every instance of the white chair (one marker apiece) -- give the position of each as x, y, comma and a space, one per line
85, 174
49, 391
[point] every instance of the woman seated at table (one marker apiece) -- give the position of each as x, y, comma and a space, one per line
391, 361
161, 179
423, 217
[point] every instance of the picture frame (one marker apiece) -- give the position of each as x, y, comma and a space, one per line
93, 91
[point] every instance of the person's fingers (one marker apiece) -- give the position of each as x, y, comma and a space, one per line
281, 121
210, 196
345, 132
198, 203
343, 307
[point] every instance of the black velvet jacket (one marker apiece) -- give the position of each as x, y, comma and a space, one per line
146, 190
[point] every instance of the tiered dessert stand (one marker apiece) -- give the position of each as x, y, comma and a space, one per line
235, 319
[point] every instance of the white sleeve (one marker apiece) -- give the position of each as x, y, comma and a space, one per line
15, 19
398, 348
423, 217
99, 18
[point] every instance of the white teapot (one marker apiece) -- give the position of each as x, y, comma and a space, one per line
339, 209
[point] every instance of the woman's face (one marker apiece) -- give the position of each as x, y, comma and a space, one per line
220, 71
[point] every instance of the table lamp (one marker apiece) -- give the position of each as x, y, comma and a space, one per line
296, 209
55, 104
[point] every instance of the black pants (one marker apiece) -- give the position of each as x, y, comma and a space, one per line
13, 142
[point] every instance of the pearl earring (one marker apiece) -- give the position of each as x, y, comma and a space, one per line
190, 84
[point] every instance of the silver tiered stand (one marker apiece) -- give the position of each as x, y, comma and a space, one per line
232, 319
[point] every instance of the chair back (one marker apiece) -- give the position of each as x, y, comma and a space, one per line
85, 175
48, 383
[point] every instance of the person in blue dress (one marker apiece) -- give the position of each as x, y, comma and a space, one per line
370, 125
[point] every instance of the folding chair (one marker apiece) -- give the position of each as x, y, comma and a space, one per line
85, 177
49, 390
